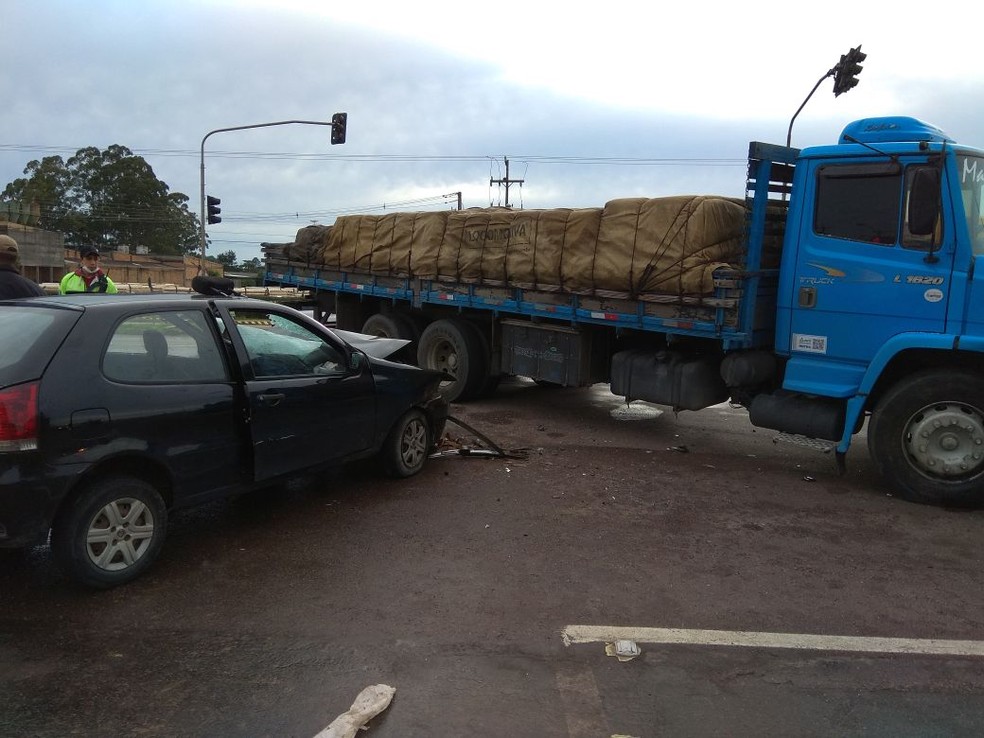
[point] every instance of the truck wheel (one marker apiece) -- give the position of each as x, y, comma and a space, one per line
456, 348
394, 326
388, 326
926, 436
110, 533
405, 450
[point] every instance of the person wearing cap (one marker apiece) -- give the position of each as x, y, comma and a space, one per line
88, 277
12, 283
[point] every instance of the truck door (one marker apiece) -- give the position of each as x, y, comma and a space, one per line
307, 407
860, 275
970, 176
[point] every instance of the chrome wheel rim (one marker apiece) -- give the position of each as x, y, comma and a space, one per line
946, 440
119, 534
413, 443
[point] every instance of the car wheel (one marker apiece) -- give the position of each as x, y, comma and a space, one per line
110, 533
405, 449
456, 348
926, 436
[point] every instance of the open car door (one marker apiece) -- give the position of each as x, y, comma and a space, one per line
311, 400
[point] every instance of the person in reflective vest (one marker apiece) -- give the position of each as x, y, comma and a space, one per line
89, 277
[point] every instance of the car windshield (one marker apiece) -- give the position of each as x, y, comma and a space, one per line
29, 336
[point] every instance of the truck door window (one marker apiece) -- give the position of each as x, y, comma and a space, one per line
972, 190
859, 203
930, 208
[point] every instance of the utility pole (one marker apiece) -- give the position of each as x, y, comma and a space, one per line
506, 181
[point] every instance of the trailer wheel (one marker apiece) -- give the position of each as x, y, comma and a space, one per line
394, 326
388, 326
926, 436
456, 348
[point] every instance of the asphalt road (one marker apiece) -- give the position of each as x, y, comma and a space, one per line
766, 594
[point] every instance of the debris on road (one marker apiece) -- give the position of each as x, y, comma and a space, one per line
371, 701
449, 446
623, 650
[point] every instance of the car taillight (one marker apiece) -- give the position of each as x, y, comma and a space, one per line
19, 418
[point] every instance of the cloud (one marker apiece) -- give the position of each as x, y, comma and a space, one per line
437, 96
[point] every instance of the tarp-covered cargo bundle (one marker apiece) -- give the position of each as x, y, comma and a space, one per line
635, 246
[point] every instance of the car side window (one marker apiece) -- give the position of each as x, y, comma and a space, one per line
164, 347
278, 346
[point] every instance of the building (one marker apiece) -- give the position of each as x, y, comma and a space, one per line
148, 270
41, 252
44, 258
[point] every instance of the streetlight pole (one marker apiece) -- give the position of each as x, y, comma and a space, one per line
201, 268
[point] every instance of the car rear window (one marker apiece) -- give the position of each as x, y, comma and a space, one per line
30, 335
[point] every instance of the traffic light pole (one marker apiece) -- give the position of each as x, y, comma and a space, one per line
845, 74
204, 216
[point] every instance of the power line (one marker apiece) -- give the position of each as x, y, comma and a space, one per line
410, 158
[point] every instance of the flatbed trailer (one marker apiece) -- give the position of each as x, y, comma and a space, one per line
739, 314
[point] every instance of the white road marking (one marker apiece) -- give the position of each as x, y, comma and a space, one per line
748, 639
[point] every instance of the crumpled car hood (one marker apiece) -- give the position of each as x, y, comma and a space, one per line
375, 346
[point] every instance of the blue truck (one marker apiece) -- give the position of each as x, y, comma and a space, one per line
873, 311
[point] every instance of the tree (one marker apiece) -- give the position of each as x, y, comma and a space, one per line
227, 259
109, 198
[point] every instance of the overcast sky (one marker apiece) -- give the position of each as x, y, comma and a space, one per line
438, 94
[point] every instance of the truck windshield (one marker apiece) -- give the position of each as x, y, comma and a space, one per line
972, 188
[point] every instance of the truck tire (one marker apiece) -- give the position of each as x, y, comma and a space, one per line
110, 533
389, 326
926, 436
406, 447
394, 326
455, 347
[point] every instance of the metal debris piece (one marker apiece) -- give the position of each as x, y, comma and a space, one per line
452, 447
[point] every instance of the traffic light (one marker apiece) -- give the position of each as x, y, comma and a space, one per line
214, 209
847, 71
338, 123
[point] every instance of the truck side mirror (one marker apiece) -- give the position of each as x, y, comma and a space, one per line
924, 201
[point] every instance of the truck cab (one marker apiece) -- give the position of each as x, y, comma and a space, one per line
879, 305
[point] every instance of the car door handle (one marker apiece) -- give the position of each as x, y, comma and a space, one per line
271, 399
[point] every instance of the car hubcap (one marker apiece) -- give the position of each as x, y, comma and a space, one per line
413, 445
119, 534
946, 440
